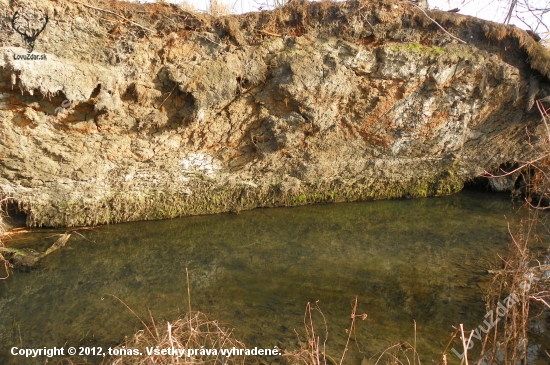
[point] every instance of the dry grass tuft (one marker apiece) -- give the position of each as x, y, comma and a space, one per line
216, 8
194, 331
186, 6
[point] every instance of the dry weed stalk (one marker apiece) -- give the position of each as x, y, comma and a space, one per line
507, 341
397, 354
314, 351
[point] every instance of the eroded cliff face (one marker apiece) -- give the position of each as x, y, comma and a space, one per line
173, 113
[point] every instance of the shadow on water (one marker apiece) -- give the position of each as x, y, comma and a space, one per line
422, 260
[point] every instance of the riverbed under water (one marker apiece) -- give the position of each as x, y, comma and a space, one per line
422, 260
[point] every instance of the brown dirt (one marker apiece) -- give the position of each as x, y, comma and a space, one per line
176, 113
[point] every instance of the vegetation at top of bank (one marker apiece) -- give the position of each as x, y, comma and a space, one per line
354, 20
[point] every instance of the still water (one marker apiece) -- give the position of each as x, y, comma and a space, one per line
422, 260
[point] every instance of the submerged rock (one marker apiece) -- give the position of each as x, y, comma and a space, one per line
162, 112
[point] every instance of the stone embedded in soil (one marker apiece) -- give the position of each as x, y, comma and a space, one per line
309, 103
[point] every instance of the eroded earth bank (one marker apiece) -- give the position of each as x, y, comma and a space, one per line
162, 112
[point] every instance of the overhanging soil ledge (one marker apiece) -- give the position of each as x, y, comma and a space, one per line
163, 113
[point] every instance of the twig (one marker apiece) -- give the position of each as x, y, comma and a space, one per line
538, 299
237, 97
513, 4
153, 322
20, 338
465, 344
325, 355
439, 25
544, 114
134, 313
81, 235
268, 33
488, 174
414, 355
189, 297
538, 207
364, 17
115, 14
449, 344
170, 93
208, 39
353, 316
386, 350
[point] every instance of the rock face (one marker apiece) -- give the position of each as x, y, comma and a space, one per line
162, 112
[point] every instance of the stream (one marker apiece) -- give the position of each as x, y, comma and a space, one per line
421, 260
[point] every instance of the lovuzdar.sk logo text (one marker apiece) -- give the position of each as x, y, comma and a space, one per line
29, 24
